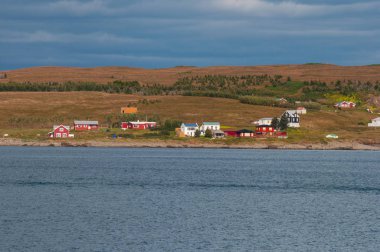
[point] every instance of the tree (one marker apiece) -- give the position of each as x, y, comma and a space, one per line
208, 133
109, 118
275, 123
197, 133
283, 124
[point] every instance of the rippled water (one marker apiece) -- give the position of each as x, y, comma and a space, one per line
99, 199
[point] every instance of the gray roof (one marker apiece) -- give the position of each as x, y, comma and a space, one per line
86, 122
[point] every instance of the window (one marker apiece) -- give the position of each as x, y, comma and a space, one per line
58, 135
60, 129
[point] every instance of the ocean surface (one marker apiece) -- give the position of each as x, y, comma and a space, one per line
122, 199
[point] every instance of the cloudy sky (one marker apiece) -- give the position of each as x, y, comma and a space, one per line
165, 33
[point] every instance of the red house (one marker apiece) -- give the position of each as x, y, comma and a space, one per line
60, 131
138, 125
86, 125
240, 133
264, 130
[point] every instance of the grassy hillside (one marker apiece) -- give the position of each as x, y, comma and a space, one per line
27, 114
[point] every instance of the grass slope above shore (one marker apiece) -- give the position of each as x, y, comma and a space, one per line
26, 115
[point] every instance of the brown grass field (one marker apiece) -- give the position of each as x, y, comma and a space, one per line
40, 111
168, 76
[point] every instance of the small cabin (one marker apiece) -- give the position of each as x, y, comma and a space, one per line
301, 110
218, 134
138, 125
375, 122
86, 125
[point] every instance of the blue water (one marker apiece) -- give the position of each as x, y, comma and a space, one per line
99, 199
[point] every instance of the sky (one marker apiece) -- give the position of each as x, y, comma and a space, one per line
167, 33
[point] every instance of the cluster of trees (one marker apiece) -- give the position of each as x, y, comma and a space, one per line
208, 133
281, 124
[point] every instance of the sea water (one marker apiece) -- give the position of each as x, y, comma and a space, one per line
125, 199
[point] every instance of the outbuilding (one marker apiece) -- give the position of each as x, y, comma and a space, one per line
86, 125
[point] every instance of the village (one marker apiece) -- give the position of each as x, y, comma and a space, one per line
267, 127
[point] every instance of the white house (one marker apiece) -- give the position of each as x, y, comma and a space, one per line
210, 126
375, 122
301, 110
263, 121
189, 128
293, 118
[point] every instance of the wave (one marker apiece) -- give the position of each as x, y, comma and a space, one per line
309, 187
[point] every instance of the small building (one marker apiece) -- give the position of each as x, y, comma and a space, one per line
60, 131
217, 134
179, 133
333, 136
281, 100
231, 133
86, 125
246, 133
138, 125
189, 129
345, 105
301, 110
375, 122
263, 121
128, 110
293, 118
265, 130
210, 126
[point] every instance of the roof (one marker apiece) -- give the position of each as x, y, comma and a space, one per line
266, 118
138, 122
211, 123
218, 132
259, 126
86, 122
57, 126
190, 124
301, 108
245, 131
291, 112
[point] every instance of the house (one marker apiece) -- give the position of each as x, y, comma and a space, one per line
189, 129
138, 125
375, 122
293, 118
265, 130
86, 125
345, 105
263, 121
246, 133
217, 134
301, 110
60, 131
128, 110
210, 126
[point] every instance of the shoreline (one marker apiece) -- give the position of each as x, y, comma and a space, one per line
334, 145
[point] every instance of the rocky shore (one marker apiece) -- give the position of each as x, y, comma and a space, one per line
335, 145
